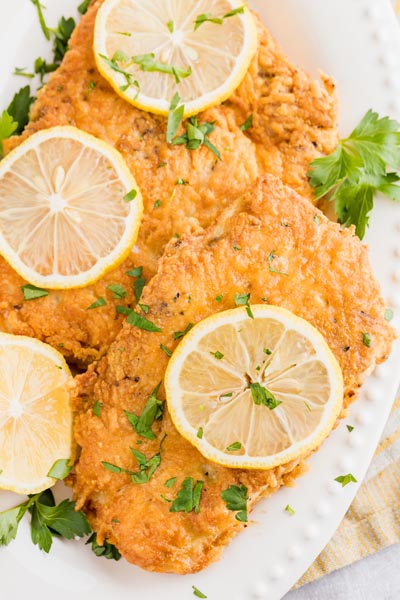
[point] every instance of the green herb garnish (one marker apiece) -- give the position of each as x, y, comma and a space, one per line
107, 550
247, 124
263, 396
235, 446
364, 163
209, 18
166, 350
218, 355
181, 334
188, 497
97, 408
290, 510
31, 292
47, 521
175, 116
170, 482
99, 302
196, 135
271, 257
148, 63
153, 411
350, 428
366, 339
117, 290
235, 498
130, 196
345, 479
61, 469
82, 8
197, 592
141, 322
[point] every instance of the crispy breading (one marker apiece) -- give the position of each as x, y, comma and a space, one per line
294, 120
321, 284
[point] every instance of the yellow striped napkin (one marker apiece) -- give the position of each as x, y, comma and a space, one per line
373, 520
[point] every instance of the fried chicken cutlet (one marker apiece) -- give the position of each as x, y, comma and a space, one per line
294, 120
321, 285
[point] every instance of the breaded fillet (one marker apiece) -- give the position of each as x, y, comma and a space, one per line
329, 282
294, 120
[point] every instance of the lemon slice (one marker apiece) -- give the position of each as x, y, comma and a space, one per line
64, 221
35, 413
204, 62
254, 392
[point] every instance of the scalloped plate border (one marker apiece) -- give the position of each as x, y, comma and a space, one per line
358, 43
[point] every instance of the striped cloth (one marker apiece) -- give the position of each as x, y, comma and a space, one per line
373, 520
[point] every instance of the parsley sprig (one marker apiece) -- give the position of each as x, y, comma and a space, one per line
366, 162
47, 520
153, 411
235, 498
188, 497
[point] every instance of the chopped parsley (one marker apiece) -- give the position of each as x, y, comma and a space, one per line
62, 36
247, 124
180, 334
366, 338
209, 18
147, 466
141, 322
170, 26
235, 446
137, 272
166, 350
267, 351
263, 396
188, 497
144, 308
170, 482
22, 73
350, 428
161, 165
47, 520
218, 355
200, 433
235, 498
236, 248
196, 135
99, 302
31, 292
19, 107
308, 407
117, 290
316, 218
130, 196
7, 127
218, 298
107, 550
271, 257
153, 411
242, 299
82, 8
157, 204
197, 592
388, 315
120, 57
138, 287
147, 62
345, 479
181, 181
290, 510
175, 116
97, 408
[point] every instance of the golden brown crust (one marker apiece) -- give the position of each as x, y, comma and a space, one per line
294, 121
321, 286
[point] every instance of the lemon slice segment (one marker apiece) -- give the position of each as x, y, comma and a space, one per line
35, 413
204, 63
254, 392
63, 218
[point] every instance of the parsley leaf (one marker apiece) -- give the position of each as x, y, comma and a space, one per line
138, 287
97, 303
47, 520
7, 127
350, 428
233, 447
345, 479
130, 196
31, 292
119, 57
147, 466
82, 8
196, 135
97, 406
366, 339
180, 334
61, 469
138, 321
208, 18
148, 63
235, 498
153, 411
263, 396
62, 36
136, 272
271, 257
170, 482
117, 290
290, 510
247, 124
188, 497
19, 107
107, 550
166, 350
175, 116
197, 592
358, 168
218, 355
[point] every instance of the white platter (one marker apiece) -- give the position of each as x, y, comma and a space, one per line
358, 42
